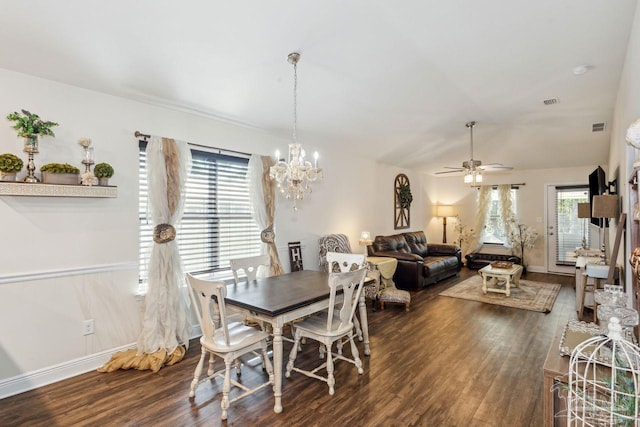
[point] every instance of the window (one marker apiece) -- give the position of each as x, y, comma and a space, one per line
217, 224
494, 229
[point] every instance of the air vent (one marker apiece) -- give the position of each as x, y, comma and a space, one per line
598, 127
551, 101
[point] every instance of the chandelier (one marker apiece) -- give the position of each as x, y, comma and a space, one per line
295, 175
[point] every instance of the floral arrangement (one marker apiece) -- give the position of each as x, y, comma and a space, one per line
103, 170
31, 124
59, 168
10, 163
465, 233
521, 236
404, 196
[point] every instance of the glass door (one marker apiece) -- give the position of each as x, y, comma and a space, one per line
565, 231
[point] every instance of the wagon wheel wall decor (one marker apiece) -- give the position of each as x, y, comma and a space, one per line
402, 202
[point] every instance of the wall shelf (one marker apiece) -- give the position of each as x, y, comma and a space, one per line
54, 190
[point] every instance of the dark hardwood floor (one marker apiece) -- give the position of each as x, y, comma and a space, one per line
447, 362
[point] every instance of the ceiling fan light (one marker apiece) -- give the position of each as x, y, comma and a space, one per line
478, 177
468, 178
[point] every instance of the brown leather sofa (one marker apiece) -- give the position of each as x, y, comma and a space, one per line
419, 263
477, 260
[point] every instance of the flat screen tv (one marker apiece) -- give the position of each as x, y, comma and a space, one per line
597, 186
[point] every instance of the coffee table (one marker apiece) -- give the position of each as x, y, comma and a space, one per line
502, 277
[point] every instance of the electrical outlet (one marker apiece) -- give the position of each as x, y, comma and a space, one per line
88, 327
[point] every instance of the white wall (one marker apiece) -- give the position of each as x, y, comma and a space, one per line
64, 260
621, 155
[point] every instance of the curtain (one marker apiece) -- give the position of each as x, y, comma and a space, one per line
165, 330
507, 213
484, 207
262, 194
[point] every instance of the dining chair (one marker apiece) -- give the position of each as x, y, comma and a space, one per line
250, 267
229, 341
332, 326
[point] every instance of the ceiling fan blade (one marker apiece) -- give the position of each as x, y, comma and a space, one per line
453, 167
451, 171
495, 167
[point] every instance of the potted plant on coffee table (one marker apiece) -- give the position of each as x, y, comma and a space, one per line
60, 173
10, 165
103, 171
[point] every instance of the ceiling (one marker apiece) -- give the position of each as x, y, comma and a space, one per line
395, 81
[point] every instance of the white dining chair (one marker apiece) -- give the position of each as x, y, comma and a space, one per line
229, 341
331, 326
250, 267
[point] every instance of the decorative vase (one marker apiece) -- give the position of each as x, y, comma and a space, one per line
60, 178
7, 176
103, 182
31, 148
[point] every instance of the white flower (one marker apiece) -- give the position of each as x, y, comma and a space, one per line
85, 142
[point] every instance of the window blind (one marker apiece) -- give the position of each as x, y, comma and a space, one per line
569, 227
217, 224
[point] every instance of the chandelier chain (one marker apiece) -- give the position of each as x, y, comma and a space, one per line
295, 102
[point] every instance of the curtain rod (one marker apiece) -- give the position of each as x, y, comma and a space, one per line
520, 184
144, 136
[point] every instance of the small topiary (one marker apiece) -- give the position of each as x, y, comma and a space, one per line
10, 163
103, 170
59, 168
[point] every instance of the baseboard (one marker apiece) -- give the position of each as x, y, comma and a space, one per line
52, 374
42, 377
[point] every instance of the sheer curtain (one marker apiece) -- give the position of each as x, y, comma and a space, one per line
507, 213
262, 193
165, 329
484, 209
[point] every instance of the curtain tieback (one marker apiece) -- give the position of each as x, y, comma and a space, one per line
267, 235
164, 233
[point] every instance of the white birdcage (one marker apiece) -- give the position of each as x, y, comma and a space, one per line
604, 381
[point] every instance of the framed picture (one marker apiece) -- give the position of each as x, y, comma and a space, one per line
295, 256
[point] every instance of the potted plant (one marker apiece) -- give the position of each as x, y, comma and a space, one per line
30, 126
10, 164
103, 171
60, 173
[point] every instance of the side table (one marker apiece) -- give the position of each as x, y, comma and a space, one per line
387, 291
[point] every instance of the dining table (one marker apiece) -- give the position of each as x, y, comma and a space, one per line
278, 300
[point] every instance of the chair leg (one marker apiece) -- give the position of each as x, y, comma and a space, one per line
330, 378
584, 290
267, 366
211, 369
381, 305
196, 374
292, 355
406, 306
238, 365
356, 355
226, 387
356, 324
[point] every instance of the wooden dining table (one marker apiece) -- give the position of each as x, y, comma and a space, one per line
278, 300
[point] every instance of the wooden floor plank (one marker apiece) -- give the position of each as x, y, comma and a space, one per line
447, 362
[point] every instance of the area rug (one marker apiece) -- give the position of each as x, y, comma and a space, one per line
530, 295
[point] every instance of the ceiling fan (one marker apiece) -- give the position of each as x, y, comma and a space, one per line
473, 168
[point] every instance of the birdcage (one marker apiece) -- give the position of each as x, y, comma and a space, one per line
604, 381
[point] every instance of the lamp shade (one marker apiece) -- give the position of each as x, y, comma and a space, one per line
605, 206
584, 210
445, 211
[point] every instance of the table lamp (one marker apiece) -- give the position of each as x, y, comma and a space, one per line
584, 211
444, 211
365, 239
604, 206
